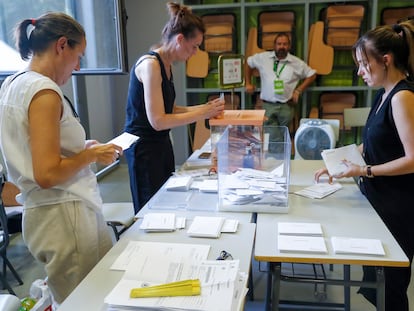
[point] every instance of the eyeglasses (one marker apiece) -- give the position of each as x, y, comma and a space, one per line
224, 255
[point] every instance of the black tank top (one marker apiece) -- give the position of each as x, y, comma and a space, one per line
136, 116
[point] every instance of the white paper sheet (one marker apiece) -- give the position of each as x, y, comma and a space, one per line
138, 249
125, 140
333, 158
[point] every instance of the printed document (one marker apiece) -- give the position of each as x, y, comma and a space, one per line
218, 280
139, 249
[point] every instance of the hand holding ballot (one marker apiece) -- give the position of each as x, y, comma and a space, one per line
346, 161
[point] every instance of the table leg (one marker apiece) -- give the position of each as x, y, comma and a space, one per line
273, 289
380, 289
268, 298
347, 288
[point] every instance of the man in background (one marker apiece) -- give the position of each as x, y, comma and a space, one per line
280, 74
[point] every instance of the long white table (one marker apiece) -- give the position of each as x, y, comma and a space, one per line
344, 213
90, 293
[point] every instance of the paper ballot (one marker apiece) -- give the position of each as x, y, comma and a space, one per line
334, 158
301, 244
180, 183
300, 228
158, 222
319, 191
206, 227
125, 140
345, 245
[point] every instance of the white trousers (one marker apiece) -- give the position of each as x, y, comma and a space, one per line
69, 239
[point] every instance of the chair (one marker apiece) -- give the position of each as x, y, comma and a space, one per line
197, 65
119, 216
14, 209
342, 25
390, 16
252, 48
220, 35
332, 105
4, 243
355, 118
271, 23
201, 134
320, 55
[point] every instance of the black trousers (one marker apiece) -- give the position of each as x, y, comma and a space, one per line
150, 164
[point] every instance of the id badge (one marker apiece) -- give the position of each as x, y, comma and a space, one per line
278, 86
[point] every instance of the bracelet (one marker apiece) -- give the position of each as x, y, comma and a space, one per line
369, 172
298, 91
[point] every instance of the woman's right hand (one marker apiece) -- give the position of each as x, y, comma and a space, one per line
249, 88
106, 153
323, 171
214, 108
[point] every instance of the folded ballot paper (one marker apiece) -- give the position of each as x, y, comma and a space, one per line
179, 183
301, 244
300, 228
346, 245
158, 222
334, 158
206, 226
319, 190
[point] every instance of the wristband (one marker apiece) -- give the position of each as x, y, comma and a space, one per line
369, 172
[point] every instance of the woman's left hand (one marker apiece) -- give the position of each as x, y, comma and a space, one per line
351, 170
215, 108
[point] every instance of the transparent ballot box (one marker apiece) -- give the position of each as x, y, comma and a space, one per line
251, 118
253, 169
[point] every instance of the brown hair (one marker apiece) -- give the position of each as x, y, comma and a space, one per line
46, 29
397, 39
182, 21
281, 34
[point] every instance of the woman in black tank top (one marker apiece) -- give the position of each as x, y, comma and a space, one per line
151, 110
383, 59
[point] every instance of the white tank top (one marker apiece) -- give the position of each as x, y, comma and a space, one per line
15, 97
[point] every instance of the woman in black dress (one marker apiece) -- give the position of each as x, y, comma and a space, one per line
151, 110
385, 59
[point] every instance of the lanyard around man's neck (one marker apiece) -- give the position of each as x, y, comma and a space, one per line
275, 66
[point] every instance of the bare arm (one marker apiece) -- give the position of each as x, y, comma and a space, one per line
353, 170
302, 87
49, 167
149, 73
248, 78
403, 113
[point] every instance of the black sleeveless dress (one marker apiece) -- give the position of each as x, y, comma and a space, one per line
151, 159
391, 196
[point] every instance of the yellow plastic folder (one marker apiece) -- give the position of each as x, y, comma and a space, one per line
180, 288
